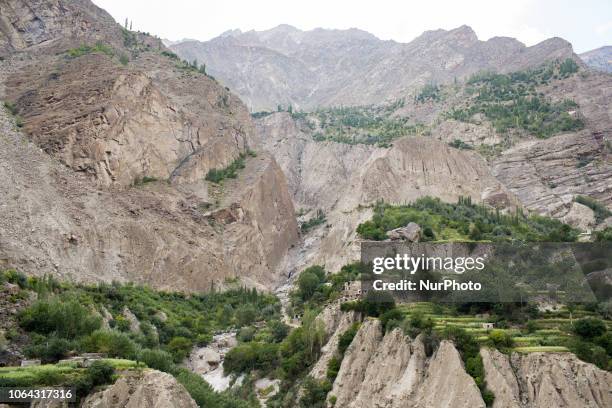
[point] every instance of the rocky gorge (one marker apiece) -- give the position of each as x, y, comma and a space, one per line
132, 176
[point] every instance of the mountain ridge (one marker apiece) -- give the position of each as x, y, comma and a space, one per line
323, 67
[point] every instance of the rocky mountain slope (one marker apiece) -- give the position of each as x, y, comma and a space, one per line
600, 58
307, 69
127, 135
344, 181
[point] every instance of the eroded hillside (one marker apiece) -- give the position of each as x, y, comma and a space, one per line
137, 132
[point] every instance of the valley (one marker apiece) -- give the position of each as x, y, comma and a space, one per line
181, 225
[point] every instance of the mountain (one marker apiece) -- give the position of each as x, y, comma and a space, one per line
322, 67
600, 58
107, 143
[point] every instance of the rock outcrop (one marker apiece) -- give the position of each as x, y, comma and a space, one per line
113, 186
539, 380
148, 389
336, 323
393, 371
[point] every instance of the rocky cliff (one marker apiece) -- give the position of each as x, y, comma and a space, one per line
541, 380
346, 180
106, 167
393, 371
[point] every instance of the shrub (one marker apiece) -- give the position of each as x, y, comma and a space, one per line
315, 392
318, 219
245, 315
589, 327
251, 356
110, 342
179, 347
246, 334
66, 318
333, 366
604, 235
501, 338
100, 372
279, 330
50, 349
203, 394
231, 171
157, 359
347, 337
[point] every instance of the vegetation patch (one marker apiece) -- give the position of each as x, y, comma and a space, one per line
84, 49
318, 219
512, 101
231, 171
372, 125
464, 221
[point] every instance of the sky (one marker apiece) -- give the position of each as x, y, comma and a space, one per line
587, 24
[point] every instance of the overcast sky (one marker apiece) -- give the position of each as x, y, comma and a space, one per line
587, 24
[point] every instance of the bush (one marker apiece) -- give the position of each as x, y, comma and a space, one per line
245, 315
50, 349
111, 343
315, 392
251, 356
333, 366
67, 319
231, 171
179, 347
600, 210
246, 334
157, 359
279, 330
589, 327
347, 337
100, 372
604, 235
501, 338
203, 394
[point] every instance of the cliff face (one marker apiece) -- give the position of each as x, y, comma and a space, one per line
346, 180
393, 371
113, 185
541, 380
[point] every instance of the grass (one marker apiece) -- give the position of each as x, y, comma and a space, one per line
541, 349
84, 49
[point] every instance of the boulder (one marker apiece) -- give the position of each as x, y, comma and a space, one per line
410, 233
150, 388
580, 216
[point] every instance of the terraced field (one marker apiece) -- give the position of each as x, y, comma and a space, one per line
553, 330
